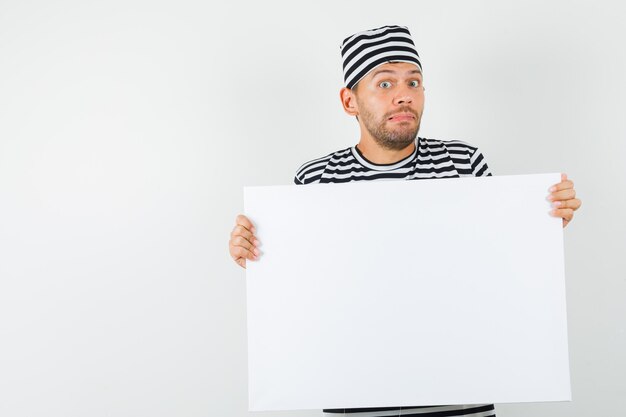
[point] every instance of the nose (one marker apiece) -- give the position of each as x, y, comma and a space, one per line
403, 96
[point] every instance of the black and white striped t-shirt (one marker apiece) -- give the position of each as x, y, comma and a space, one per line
430, 159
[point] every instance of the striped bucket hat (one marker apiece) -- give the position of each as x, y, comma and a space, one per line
364, 51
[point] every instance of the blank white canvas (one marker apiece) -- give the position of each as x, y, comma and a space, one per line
406, 293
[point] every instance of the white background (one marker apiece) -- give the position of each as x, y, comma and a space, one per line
128, 129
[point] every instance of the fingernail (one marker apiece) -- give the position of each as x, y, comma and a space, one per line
256, 242
557, 203
256, 252
552, 189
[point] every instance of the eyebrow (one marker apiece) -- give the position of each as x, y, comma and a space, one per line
386, 71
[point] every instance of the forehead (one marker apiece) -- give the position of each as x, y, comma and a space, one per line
395, 68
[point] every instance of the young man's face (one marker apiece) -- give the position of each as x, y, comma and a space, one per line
389, 104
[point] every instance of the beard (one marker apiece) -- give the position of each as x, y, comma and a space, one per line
393, 139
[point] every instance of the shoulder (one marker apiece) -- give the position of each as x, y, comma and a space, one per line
453, 146
311, 171
468, 159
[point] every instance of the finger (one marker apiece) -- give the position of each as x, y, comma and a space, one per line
563, 176
241, 252
244, 243
241, 262
562, 195
245, 222
565, 214
563, 185
573, 204
243, 232
577, 204
246, 234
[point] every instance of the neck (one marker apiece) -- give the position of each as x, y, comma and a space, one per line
379, 155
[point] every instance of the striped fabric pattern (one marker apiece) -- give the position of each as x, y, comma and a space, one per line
364, 51
430, 159
476, 410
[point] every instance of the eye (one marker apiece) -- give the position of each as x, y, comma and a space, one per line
384, 84
415, 83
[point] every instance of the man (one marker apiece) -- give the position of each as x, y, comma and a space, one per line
384, 91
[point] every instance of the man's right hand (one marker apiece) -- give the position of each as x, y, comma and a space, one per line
243, 244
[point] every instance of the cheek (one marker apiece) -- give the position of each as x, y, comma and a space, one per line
419, 101
379, 104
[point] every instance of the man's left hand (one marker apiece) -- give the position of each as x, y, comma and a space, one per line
564, 201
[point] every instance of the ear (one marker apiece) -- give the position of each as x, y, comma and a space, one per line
348, 101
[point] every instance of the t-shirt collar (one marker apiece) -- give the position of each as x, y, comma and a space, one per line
383, 167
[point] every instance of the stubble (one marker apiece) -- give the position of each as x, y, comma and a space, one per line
396, 138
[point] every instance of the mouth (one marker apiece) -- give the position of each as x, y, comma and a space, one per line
402, 117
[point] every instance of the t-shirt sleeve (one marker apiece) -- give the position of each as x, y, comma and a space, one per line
479, 165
